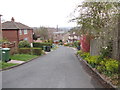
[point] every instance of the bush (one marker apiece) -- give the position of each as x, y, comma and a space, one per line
85, 55
79, 52
24, 50
24, 44
36, 51
40, 45
32, 51
111, 66
92, 60
76, 43
108, 66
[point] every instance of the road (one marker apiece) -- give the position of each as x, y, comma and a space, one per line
58, 69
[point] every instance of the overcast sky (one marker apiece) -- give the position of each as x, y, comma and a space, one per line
35, 13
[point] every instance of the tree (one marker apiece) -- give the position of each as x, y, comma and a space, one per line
94, 16
100, 19
42, 32
34, 36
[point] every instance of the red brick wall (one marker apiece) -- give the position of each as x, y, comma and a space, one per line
10, 35
28, 35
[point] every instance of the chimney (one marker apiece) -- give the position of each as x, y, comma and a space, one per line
12, 19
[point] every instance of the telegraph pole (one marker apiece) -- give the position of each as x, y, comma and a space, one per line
0, 29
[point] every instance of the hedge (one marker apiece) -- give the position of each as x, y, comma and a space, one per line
36, 51
24, 50
40, 45
33, 51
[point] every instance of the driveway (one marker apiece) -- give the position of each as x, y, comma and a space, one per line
58, 69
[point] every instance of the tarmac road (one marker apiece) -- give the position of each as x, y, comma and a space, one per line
58, 69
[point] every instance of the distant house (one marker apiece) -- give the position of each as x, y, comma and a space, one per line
16, 32
73, 37
58, 35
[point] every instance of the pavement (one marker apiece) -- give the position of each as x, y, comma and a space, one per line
16, 61
58, 69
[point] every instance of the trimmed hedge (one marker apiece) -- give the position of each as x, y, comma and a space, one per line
32, 51
40, 45
36, 51
24, 50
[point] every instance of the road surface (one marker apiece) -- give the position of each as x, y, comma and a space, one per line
58, 69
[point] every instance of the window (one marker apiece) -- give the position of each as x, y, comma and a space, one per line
20, 32
26, 39
25, 31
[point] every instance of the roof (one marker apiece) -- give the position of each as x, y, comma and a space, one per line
14, 25
60, 32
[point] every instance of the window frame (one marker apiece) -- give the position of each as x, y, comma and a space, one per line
25, 31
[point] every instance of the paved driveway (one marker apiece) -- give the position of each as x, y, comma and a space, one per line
58, 69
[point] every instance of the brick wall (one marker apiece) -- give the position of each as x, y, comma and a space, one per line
28, 35
10, 35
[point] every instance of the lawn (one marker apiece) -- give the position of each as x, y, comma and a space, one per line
5, 65
23, 57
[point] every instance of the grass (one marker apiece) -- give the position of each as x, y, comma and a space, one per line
6, 65
20, 57
23, 57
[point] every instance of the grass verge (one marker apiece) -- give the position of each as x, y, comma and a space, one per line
23, 57
6, 65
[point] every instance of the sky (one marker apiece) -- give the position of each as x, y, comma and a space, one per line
36, 13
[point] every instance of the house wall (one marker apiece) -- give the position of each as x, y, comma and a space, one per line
10, 35
29, 36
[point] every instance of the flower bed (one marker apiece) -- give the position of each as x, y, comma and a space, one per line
107, 67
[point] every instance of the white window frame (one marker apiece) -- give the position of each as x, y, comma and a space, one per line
20, 32
25, 31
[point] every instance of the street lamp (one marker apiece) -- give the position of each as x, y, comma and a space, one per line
0, 29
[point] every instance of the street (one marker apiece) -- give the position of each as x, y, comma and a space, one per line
57, 69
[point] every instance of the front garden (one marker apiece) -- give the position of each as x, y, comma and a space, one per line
25, 52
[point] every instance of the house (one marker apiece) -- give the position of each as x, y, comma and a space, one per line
58, 35
73, 37
16, 32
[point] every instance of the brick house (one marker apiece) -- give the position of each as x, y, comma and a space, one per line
16, 32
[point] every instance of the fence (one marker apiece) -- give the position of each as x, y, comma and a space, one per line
13, 47
96, 44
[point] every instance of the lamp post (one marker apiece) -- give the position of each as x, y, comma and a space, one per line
0, 29
0, 39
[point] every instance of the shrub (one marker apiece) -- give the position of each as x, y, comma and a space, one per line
76, 43
111, 66
24, 50
33, 51
85, 55
79, 52
23, 44
36, 51
106, 51
92, 60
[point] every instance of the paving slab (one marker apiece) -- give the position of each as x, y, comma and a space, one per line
16, 61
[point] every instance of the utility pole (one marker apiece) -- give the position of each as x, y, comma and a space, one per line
0, 29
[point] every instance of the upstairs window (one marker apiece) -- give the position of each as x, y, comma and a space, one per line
25, 32
20, 32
